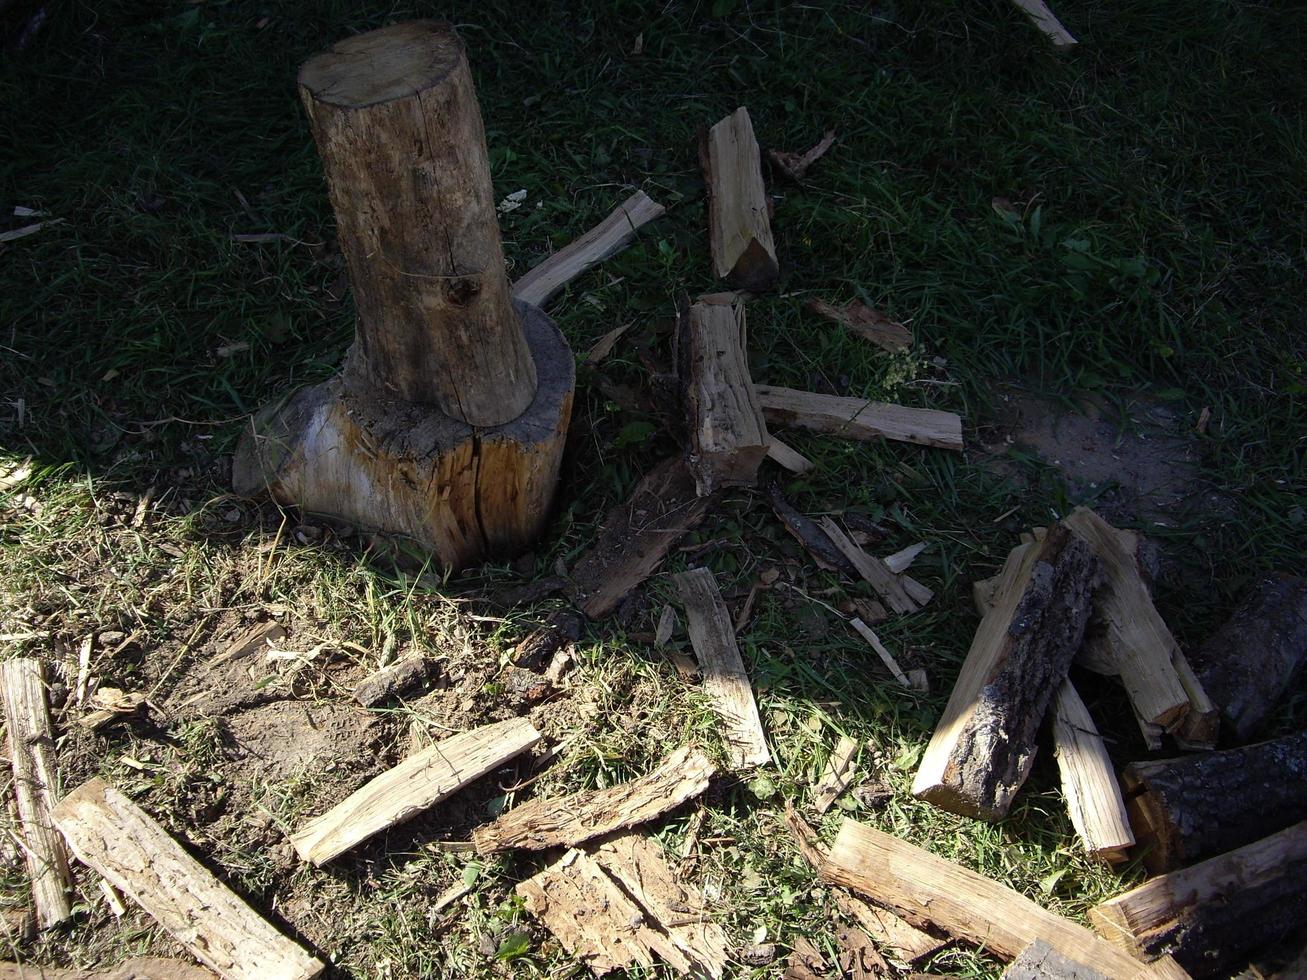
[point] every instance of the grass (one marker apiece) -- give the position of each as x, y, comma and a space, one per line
1158, 242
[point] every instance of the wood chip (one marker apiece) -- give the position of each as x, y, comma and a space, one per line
857, 418
573, 819
839, 772
604, 345
1046, 21
795, 165
391, 680
870, 636
415, 785
666, 626
787, 457
112, 835
869, 324
109, 704
888, 586
637, 536
601, 242
724, 677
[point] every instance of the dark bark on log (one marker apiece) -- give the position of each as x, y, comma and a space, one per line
984, 746
1253, 659
808, 534
1211, 916
1184, 810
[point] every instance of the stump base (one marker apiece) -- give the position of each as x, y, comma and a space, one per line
467, 493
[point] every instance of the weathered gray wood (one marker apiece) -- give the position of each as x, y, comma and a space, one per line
1197, 806
857, 418
36, 787
728, 437
637, 535
724, 677
588, 814
416, 784
1040, 961
111, 834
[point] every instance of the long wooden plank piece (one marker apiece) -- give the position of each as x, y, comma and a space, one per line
417, 783
601, 242
724, 677
967, 905
582, 816
114, 836
31, 745
857, 418
1089, 784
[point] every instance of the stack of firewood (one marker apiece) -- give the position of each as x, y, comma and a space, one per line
1078, 593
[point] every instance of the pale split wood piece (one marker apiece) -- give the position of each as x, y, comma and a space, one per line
1044, 18
886, 658
965, 904
858, 418
115, 837
133, 968
1135, 638
36, 787
872, 569
582, 816
415, 785
984, 746
839, 770
544, 280
637, 535
1210, 916
674, 907
739, 225
727, 435
904, 941
787, 457
724, 678
1089, 785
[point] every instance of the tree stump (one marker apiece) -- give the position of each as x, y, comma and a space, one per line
448, 419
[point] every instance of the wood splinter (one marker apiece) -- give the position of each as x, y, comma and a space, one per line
416, 784
600, 243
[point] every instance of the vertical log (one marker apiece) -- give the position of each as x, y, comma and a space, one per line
397, 124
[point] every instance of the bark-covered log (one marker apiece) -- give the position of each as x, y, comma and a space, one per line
1184, 810
1251, 661
984, 746
1210, 916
